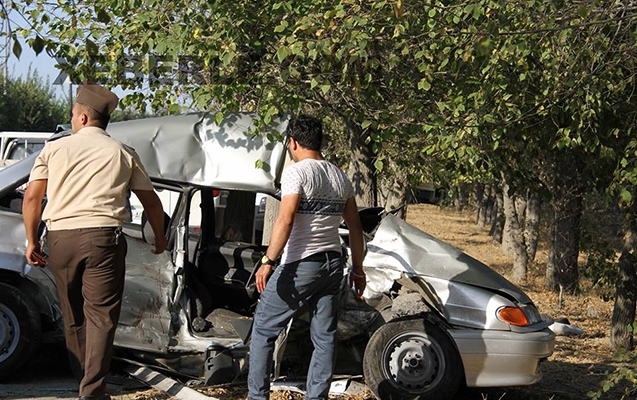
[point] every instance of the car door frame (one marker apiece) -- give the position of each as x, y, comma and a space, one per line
153, 283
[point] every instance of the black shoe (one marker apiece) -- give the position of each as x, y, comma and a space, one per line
124, 382
102, 397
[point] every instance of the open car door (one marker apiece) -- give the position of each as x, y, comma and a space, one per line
152, 280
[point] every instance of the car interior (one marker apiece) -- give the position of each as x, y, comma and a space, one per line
222, 255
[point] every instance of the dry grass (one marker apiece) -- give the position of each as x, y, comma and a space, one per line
578, 364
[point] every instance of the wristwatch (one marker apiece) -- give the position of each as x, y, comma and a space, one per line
266, 260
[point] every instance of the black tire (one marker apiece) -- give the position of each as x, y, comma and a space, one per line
412, 359
20, 329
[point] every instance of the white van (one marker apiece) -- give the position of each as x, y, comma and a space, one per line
14, 146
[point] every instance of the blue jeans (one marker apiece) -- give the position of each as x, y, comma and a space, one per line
315, 282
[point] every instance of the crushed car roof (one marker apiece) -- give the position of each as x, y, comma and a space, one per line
194, 148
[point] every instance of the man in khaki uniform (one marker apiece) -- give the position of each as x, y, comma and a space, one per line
85, 177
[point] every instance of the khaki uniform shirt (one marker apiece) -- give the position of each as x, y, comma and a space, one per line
88, 175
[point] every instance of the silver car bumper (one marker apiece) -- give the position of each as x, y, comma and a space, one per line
501, 358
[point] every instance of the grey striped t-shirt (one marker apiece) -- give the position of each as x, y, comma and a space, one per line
324, 189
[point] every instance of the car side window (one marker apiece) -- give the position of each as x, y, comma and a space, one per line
244, 216
169, 199
238, 215
12, 201
23, 148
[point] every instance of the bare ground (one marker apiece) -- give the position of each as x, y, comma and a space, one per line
578, 365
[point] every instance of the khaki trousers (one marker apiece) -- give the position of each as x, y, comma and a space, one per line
89, 267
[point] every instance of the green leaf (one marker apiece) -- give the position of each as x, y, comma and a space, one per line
325, 88
282, 54
477, 11
626, 196
91, 47
174, 109
218, 118
366, 124
378, 165
424, 85
17, 48
103, 16
227, 58
282, 26
37, 44
469, 9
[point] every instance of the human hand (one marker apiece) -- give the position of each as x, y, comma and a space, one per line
160, 245
262, 275
34, 255
357, 281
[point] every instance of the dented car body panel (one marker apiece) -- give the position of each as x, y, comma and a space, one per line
145, 318
12, 243
399, 247
189, 309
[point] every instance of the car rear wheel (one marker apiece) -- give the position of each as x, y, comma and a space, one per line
20, 329
412, 359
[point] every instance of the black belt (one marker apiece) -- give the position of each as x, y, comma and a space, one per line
95, 228
322, 256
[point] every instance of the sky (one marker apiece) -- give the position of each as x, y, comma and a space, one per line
44, 65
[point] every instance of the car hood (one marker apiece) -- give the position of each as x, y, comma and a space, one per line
194, 148
400, 249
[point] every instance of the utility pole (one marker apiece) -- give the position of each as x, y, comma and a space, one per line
4, 60
70, 97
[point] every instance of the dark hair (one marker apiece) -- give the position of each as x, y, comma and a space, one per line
95, 116
307, 131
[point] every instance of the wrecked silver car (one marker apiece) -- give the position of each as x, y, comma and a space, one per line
434, 318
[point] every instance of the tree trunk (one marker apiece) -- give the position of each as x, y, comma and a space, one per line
532, 225
507, 247
626, 286
361, 168
480, 199
551, 279
497, 226
516, 232
520, 208
491, 204
461, 199
394, 189
567, 192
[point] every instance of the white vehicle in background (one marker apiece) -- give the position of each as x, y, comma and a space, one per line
15, 146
